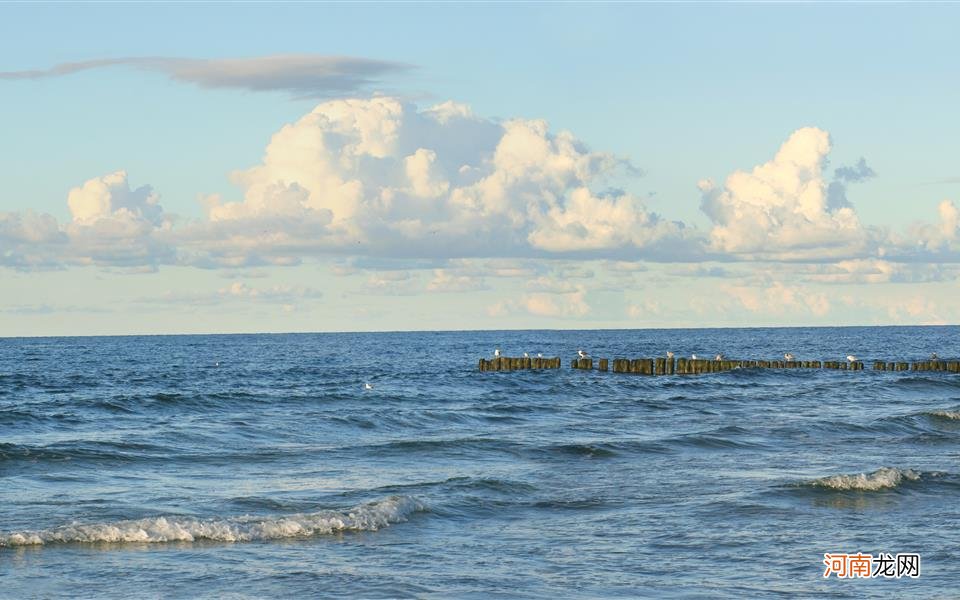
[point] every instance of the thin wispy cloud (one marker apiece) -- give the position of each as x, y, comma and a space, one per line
301, 75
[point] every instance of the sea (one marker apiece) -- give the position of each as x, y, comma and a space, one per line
263, 466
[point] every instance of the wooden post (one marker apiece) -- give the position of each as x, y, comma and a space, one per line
661, 366
603, 364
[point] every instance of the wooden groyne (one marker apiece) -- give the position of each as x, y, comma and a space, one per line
696, 366
507, 363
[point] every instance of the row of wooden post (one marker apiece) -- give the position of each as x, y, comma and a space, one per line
690, 366
950, 366
506, 363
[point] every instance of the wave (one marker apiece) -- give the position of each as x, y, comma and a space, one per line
884, 478
722, 438
952, 415
930, 381
365, 517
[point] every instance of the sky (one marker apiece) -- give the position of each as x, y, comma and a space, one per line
204, 168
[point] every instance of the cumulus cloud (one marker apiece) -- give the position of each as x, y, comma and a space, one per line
943, 235
378, 176
303, 75
782, 209
110, 197
386, 183
113, 224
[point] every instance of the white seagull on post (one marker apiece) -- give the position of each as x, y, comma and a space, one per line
496, 353
851, 358
788, 356
669, 354
582, 354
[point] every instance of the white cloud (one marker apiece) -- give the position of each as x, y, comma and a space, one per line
875, 270
472, 198
450, 280
781, 209
29, 239
110, 197
377, 176
572, 304
115, 225
644, 309
943, 235
780, 299
241, 293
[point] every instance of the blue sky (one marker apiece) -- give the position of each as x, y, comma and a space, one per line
674, 95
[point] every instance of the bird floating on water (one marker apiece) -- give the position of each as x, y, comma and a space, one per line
368, 386
851, 358
787, 356
496, 353
582, 354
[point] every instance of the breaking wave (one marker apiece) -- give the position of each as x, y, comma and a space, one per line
884, 478
953, 415
366, 517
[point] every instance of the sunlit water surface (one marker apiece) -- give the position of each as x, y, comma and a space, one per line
259, 466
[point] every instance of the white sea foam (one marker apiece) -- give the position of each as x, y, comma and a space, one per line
884, 478
947, 414
366, 517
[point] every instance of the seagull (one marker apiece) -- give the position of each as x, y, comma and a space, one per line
851, 358
582, 354
368, 386
525, 355
539, 354
718, 357
669, 354
216, 364
693, 356
788, 356
933, 356
496, 353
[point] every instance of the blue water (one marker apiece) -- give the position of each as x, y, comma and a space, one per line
259, 466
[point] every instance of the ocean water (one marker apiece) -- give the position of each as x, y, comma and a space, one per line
259, 466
